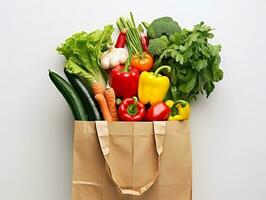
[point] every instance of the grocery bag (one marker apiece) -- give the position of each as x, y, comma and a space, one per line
132, 161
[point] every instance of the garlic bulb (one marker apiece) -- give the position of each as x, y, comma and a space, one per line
113, 57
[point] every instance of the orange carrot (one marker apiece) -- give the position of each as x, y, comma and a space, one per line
97, 88
109, 95
104, 107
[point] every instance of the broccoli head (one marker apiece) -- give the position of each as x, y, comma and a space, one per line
163, 26
158, 45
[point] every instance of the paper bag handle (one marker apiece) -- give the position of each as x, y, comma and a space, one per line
159, 128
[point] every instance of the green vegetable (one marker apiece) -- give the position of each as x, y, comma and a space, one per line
85, 97
158, 45
83, 51
70, 96
162, 26
194, 61
133, 35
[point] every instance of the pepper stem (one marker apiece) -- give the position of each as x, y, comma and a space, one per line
182, 102
160, 68
175, 110
132, 108
126, 69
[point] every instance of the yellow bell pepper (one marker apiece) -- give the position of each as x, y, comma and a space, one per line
153, 87
180, 110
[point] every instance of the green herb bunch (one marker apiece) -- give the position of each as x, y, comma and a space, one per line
195, 63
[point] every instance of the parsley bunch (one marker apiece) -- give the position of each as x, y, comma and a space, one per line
195, 63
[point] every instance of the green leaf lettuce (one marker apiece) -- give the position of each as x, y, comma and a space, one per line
83, 51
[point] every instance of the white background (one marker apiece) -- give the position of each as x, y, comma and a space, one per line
228, 129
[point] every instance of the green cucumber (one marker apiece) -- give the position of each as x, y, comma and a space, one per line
85, 97
70, 96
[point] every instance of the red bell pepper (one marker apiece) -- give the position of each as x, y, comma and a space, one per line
158, 112
124, 81
131, 109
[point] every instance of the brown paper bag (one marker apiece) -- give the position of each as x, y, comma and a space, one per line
131, 161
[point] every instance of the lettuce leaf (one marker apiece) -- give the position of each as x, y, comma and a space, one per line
83, 51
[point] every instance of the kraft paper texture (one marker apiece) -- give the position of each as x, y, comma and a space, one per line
132, 161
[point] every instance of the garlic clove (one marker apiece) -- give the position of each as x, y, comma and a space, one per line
114, 61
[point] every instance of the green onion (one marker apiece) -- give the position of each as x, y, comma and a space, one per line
133, 36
